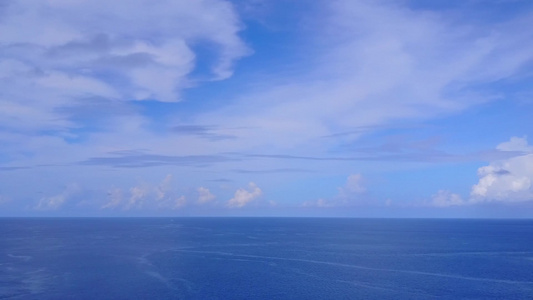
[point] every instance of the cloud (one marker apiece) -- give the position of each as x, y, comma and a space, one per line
57, 201
137, 160
12, 168
146, 196
348, 195
204, 195
163, 189
71, 72
508, 180
353, 185
270, 171
221, 180
115, 196
179, 202
445, 198
202, 131
515, 144
365, 74
137, 198
243, 197
54, 52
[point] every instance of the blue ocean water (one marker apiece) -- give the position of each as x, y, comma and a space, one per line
265, 258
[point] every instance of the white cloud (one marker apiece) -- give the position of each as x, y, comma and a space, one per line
349, 194
445, 198
163, 189
504, 181
243, 197
54, 52
137, 198
515, 144
115, 198
365, 73
360, 73
57, 201
320, 203
204, 195
146, 196
353, 185
179, 202
509, 180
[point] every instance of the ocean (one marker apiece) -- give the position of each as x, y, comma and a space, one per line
265, 258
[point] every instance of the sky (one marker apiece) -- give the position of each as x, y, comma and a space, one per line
326, 108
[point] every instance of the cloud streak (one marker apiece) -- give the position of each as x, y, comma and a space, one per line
126, 160
202, 131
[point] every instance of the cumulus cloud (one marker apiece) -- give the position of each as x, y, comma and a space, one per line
243, 196
164, 188
57, 201
352, 186
445, 198
504, 181
115, 198
146, 196
348, 195
320, 203
204, 195
137, 197
509, 180
179, 202
518, 144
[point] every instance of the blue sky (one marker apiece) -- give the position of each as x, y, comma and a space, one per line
266, 108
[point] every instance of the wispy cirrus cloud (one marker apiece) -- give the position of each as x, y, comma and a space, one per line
416, 66
272, 171
204, 195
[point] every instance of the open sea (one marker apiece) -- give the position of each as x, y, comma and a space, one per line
265, 258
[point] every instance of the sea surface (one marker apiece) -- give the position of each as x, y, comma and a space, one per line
265, 258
